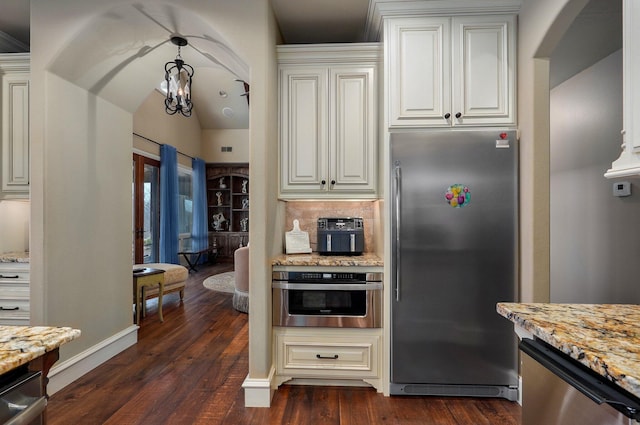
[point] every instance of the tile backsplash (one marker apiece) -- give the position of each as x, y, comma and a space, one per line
308, 212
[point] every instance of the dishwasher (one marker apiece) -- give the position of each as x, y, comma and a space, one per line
22, 401
558, 390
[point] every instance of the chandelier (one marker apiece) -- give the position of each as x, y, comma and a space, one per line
177, 75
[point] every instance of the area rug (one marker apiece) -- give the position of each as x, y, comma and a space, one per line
222, 282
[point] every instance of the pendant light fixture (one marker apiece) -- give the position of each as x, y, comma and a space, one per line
177, 75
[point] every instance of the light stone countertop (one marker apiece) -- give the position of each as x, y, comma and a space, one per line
603, 337
315, 259
21, 344
14, 257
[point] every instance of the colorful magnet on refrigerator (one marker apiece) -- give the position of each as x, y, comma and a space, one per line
457, 195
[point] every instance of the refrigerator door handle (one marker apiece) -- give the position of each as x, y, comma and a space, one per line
397, 205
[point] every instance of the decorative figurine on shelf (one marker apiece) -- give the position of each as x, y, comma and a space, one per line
245, 182
244, 224
245, 203
218, 221
219, 196
221, 183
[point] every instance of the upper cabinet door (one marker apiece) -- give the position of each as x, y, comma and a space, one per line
328, 121
483, 63
14, 71
450, 71
303, 129
352, 150
418, 66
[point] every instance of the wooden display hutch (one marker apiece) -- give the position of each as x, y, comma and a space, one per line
228, 207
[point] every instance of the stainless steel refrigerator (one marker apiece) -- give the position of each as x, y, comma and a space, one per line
455, 245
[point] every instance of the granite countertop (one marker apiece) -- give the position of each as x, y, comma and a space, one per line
603, 337
21, 344
315, 259
14, 257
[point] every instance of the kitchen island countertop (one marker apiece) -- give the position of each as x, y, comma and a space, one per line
21, 344
603, 337
315, 259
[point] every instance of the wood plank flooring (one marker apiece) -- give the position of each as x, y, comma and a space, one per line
189, 370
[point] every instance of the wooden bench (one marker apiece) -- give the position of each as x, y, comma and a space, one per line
175, 279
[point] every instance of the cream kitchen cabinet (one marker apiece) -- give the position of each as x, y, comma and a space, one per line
324, 355
14, 73
14, 293
628, 164
451, 71
328, 121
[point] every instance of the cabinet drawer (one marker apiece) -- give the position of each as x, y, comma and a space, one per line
332, 357
16, 291
13, 308
14, 276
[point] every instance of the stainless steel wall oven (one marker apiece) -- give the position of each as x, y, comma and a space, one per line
327, 299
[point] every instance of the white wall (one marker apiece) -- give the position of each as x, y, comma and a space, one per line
14, 225
541, 24
214, 139
266, 211
151, 121
594, 245
78, 265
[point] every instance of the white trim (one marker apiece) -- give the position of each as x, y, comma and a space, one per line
258, 392
381, 9
335, 53
64, 373
146, 154
185, 169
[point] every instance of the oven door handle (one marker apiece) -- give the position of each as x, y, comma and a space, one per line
327, 287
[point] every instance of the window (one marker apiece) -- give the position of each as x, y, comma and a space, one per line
185, 202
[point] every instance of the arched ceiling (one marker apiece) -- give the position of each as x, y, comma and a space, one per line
120, 56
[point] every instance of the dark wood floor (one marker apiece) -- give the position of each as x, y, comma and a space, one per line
189, 370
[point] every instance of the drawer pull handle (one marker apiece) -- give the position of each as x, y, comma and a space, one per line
9, 308
4, 276
334, 357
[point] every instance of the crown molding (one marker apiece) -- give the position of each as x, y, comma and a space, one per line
15, 62
329, 53
382, 9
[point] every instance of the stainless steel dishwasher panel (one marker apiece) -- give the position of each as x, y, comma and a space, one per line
549, 400
21, 398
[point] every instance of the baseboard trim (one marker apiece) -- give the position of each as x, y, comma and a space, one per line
64, 373
258, 392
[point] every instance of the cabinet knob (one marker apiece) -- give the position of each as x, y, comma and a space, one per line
447, 116
333, 182
323, 182
458, 115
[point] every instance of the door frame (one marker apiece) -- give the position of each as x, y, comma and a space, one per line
139, 162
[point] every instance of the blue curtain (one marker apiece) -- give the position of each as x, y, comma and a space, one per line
199, 233
168, 204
